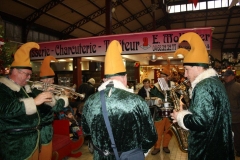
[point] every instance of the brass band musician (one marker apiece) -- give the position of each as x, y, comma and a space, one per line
46, 112
208, 118
161, 124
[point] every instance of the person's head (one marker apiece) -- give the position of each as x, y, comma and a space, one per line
92, 81
20, 76
68, 114
228, 75
46, 73
196, 60
114, 67
21, 68
146, 83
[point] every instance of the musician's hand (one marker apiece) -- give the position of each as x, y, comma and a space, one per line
174, 116
160, 101
50, 89
181, 103
66, 92
43, 97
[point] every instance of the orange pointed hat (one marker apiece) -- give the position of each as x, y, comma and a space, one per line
22, 56
113, 60
198, 55
45, 70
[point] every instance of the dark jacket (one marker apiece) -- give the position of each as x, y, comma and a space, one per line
131, 123
233, 92
154, 92
87, 89
208, 120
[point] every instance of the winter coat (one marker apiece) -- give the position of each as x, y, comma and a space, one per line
208, 120
129, 116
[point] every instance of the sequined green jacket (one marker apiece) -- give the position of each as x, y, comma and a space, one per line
129, 116
46, 113
208, 120
17, 110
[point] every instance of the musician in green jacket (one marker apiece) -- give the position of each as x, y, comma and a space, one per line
128, 113
208, 118
46, 111
19, 119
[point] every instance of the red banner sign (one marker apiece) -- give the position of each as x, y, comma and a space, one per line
132, 43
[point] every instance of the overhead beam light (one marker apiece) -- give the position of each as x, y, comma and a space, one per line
180, 56
62, 60
153, 58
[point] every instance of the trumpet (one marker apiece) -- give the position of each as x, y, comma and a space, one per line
56, 89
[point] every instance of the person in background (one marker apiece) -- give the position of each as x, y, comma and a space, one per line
87, 88
129, 116
19, 118
233, 92
46, 111
162, 124
208, 118
74, 127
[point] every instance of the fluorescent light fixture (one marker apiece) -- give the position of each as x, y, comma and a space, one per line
160, 57
62, 60
180, 56
170, 57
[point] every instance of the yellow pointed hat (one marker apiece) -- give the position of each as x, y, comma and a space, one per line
113, 60
45, 70
198, 55
22, 56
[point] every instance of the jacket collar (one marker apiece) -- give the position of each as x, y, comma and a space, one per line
116, 83
206, 74
9, 83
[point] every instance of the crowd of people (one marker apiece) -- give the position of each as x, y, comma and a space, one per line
212, 118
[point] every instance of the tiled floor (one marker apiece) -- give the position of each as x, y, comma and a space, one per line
176, 153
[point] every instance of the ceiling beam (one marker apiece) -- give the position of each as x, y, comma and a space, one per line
226, 29
129, 19
150, 13
18, 21
73, 10
165, 13
237, 44
114, 4
83, 21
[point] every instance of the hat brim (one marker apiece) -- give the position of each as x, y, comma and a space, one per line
117, 74
21, 67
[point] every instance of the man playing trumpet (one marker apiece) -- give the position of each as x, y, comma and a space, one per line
46, 111
19, 120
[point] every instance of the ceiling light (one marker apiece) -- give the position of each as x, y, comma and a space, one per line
180, 56
153, 58
62, 60
170, 57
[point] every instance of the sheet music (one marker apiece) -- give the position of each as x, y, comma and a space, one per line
163, 84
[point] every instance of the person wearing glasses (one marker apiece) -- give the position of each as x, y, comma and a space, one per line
19, 118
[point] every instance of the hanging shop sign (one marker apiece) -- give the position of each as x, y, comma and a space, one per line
132, 43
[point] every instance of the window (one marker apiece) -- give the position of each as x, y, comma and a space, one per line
210, 4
